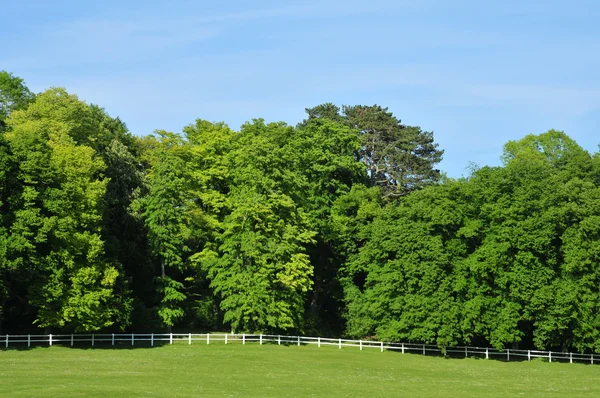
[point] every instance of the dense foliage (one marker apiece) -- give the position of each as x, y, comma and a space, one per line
339, 225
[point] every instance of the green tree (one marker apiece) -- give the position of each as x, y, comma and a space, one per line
399, 158
165, 211
259, 265
56, 217
322, 156
14, 95
507, 256
400, 284
125, 236
257, 262
6, 172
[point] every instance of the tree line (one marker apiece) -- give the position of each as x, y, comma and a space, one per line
340, 225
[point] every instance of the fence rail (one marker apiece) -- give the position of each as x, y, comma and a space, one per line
152, 338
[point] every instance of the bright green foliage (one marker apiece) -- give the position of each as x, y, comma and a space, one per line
183, 210
56, 214
209, 146
261, 197
507, 256
170, 309
534, 205
352, 215
257, 263
323, 155
260, 268
14, 95
400, 284
278, 228
165, 206
165, 211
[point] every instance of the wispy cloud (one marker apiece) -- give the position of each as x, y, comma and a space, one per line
477, 73
148, 34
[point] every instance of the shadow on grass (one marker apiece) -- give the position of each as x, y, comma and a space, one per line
121, 345
147, 344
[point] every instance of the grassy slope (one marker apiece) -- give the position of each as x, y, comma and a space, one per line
270, 371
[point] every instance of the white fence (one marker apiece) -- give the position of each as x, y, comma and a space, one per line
150, 339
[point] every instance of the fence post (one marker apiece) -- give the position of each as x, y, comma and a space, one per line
466, 352
360, 343
278, 339
132, 339
382, 346
7, 341
319, 342
260, 338
190, 339
92, 339
508, 355
207, 338
529, 355
298, 341
71, 340
550, 356
29, 342
243, 338
570, 357
170, 338
225, 338
49, 340
340, 344
423, 349
403, 348
592, 359
487, 354
112, 339
151, 339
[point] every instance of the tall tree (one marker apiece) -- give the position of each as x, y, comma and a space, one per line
258, 263
57, 207
165, 211
14, 95
400, 283
508, 256
399, 158
6, 174
322, 154
124, 234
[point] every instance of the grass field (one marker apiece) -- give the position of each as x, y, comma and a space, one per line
234, 370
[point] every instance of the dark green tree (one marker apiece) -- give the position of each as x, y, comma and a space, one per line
399, 158
14, 95
507, 256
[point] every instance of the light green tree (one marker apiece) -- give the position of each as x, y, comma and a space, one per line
56, 215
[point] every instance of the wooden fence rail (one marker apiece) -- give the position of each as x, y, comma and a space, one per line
21, 340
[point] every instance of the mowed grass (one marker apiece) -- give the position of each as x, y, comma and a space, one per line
251, 370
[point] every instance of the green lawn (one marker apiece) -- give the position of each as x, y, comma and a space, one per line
252, 370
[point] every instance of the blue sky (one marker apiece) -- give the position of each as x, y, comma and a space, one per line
477, 73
